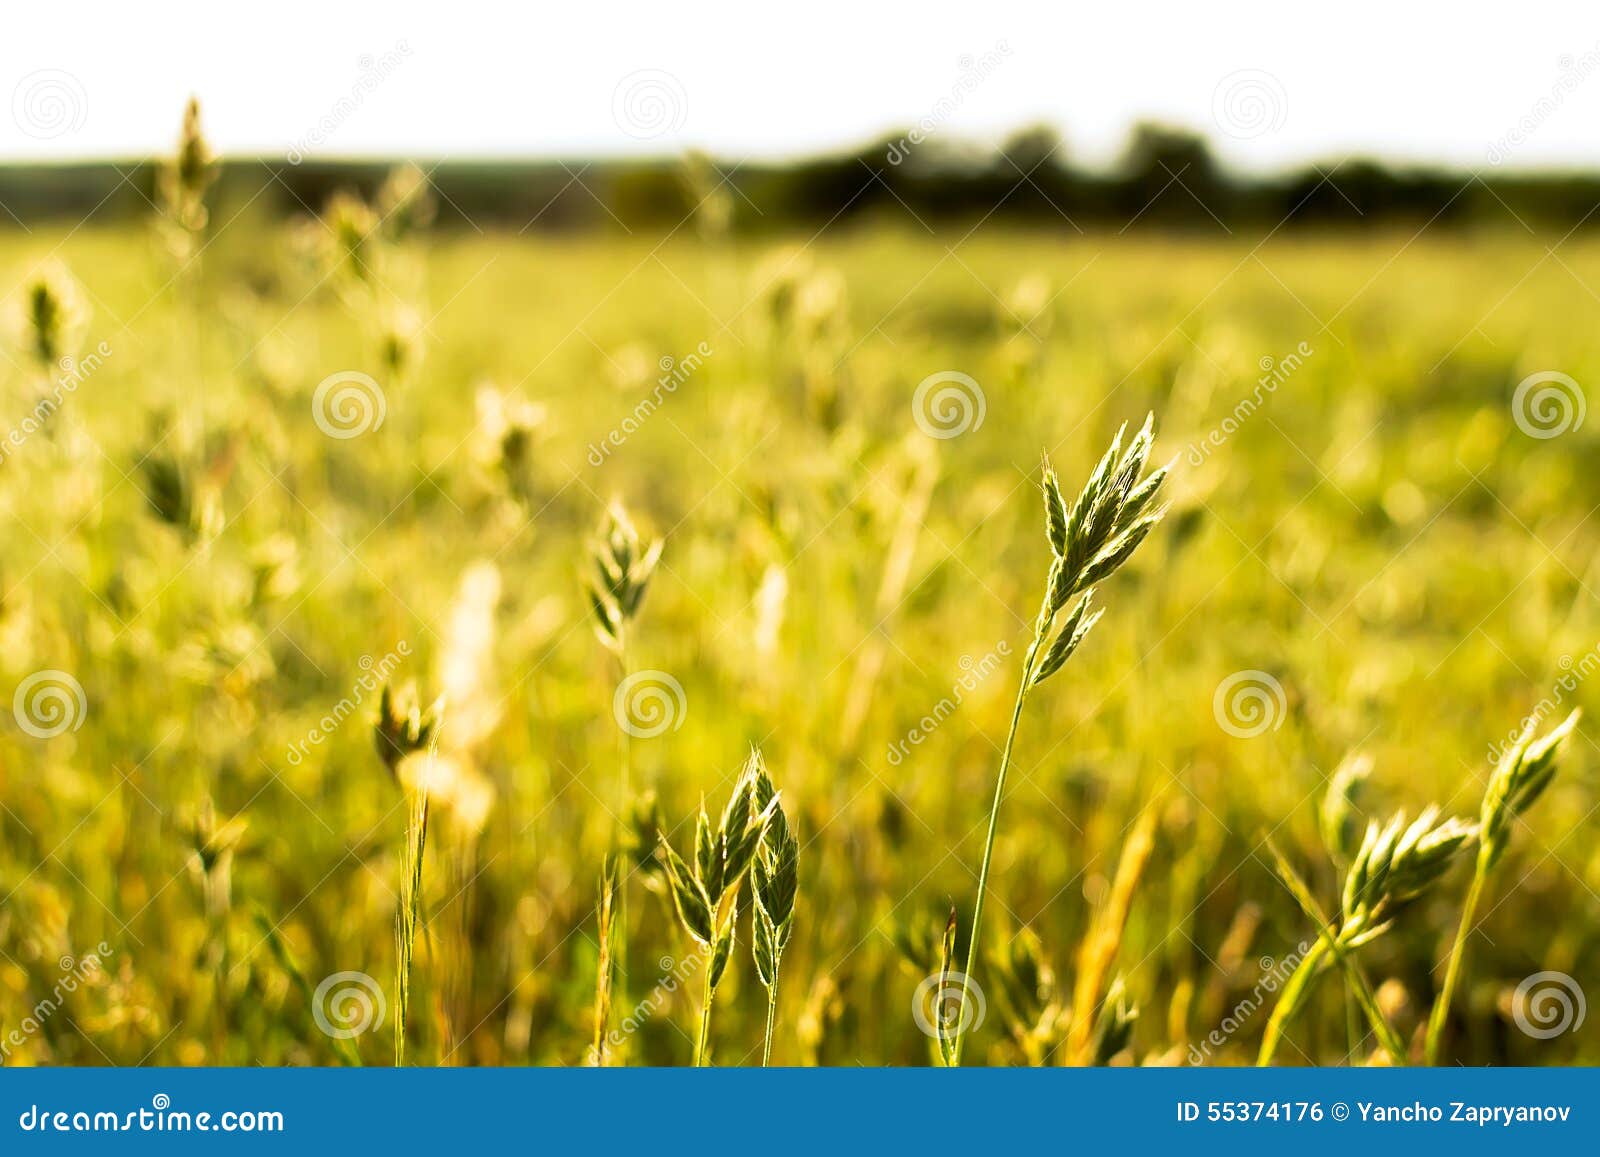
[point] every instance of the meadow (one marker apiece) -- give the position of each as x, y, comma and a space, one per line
301, 460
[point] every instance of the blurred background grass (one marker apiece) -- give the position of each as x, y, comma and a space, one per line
1379, 537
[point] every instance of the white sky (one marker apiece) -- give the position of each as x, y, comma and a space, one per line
472, 78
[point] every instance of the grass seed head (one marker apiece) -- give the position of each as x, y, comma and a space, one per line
1055, 511
179, 493
214, 840
1093, 538
1519, 779
1073, 631
774, 879
183, 182
1025, 992
1114, 1024
641, 842
1398, 862
54, 315
705, 893
1103, 527
402, 727
1338, 816
688, 894
354, 226
722, 946
916, 936
624, 563
400, 345
405, 202
194, 167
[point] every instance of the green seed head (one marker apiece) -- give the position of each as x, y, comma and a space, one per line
688, 894
184, 180
53, 315
1113, 1027
405, 202
1340, 813
722, 946
1025, 984
643, 845
214, 840
195, 165
623, 563
354, 226
1092, 539
705, 893
774, 879
402, 727
1398, 862
1519, 779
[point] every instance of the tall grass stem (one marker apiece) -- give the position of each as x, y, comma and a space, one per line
988, 849
1458, 951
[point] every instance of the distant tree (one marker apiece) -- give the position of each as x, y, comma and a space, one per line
1169, 174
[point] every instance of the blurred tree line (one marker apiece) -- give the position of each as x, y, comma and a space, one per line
1166, 178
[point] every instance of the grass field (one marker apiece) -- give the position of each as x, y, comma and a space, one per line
1365, 551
